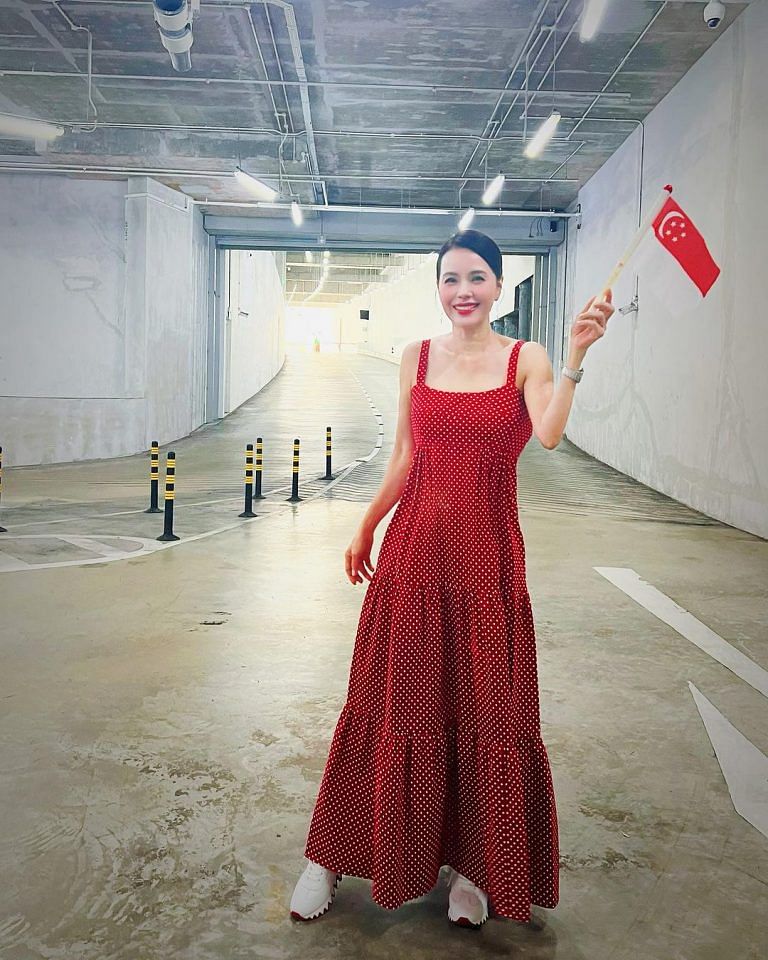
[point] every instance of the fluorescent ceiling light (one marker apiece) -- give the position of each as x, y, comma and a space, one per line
468, 217
543, 135
326, 254
591, 16
308, 256
261, 190
296, 215
493, 189
24, 127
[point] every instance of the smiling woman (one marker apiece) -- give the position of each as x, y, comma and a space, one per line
437, 757
469, 283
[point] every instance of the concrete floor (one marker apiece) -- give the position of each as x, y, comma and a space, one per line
166, 718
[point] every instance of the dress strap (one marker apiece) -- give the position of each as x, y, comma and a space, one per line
421, 373
512, 368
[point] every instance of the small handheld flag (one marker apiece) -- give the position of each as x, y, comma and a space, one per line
676, 233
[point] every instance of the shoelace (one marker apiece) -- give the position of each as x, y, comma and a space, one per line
315, 872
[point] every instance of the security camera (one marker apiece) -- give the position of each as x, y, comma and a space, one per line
713, 14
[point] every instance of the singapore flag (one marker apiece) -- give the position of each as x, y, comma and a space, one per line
676, 233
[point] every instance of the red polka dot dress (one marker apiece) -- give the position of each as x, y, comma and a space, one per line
437, 755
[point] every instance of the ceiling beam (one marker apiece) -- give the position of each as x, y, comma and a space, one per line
397, 231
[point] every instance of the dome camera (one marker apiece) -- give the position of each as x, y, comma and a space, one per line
713, 14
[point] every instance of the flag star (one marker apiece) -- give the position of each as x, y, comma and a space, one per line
682, 234
674, 239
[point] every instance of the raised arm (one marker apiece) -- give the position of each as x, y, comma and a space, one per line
549, 407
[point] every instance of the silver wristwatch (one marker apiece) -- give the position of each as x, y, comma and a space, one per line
573, 374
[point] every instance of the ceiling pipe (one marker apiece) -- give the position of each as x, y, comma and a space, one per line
298, 60
321, 207
90, 105
621, 64
264, 68
555, 55
32, 167
529, 41
360, 134
253, 81
279, 67
174, 21
410, 211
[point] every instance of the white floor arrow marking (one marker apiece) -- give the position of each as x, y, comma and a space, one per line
744, 766
661, 606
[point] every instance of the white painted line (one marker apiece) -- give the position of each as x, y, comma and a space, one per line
332, 483
93, 545
13, 565
744, 766
661, 606
9, 563
178, 506
152, 546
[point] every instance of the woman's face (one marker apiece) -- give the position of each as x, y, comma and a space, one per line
467, 287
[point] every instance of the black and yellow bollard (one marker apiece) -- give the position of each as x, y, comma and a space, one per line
170, 493
328, 474
257, 494
294, 497
154, 477
2, 529
248, 512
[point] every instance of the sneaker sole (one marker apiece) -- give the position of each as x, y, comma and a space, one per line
326, 908
466, 922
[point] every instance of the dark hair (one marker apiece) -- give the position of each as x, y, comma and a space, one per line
479, 243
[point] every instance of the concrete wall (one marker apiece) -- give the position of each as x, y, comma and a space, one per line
676, 395
102, 337
64, 355
409, 308
255, 323
167, 316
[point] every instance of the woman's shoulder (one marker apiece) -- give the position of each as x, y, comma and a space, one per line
411, 351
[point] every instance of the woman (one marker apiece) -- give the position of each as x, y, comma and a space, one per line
437, 755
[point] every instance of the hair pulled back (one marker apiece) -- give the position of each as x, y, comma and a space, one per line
479, 243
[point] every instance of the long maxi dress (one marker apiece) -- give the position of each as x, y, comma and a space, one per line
437, 756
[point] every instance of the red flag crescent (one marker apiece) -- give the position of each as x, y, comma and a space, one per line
675, 231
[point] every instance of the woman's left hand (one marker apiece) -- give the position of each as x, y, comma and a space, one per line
590, 324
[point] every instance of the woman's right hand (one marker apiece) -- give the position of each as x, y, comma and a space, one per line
357, 557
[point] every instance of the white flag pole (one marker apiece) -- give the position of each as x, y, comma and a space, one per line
641, 231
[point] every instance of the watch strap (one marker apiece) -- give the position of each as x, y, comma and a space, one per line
572, 374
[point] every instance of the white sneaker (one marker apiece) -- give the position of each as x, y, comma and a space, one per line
314, 892
467, 903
